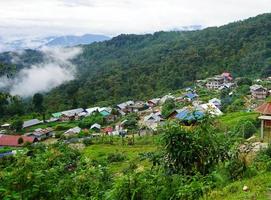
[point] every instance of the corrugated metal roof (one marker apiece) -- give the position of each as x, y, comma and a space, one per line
98, 126
12, 140
31, 122
264, 109
72, 112
190, 114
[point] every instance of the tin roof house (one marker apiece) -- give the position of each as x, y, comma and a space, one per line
31, 122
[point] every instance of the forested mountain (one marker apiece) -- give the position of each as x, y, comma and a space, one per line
143, 66
72, 40
12, 62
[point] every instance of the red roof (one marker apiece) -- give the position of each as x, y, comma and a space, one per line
227, 75
12, 140
108, 130
264, 109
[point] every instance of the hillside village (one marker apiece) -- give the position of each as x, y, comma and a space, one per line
135, 117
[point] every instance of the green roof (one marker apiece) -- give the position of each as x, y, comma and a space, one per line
57, 115
104, 113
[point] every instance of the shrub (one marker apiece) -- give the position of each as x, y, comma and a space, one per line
268, 166
116, 157
191, 191
87, 122
245, 128
87, 141
58, 135
268, 151
193, 150
236, 168
17, 125
60, 128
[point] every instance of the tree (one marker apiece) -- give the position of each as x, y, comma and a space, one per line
168, 107
189, 151
244, 81
20, 140
38, 104
17, 125
131, 121
245, 128
87, 122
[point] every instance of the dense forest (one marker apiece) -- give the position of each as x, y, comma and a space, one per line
143, 66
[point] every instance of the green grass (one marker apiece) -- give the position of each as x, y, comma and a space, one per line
229, 120
99, 152
259, 188
5, 149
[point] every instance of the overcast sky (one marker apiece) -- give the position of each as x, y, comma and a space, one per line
112, 17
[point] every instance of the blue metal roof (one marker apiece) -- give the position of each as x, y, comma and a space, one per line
187, 114
191, 95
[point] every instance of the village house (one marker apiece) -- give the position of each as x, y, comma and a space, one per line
265, 111
216, 102
173, 114
138, 106
123, 107
258, 92
108, 130
190, 115
153, 120
41, 134
5, 126
96, 127
68, 115
211, 109
222, 81
215, 82
190, 96
31, 122
153, 102
73, 131
90, 111
73, 114
15, 140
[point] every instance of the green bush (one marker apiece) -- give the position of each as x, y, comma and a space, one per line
268, 151
17, 125
191, 191
87, 122
245, 128
58, 134
116, 157
60, 128
235, 168
87, 141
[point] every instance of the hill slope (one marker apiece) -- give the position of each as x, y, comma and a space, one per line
143, 66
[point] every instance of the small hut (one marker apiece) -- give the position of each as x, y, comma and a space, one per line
265, 111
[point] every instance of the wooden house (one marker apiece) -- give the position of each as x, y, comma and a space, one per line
258, 91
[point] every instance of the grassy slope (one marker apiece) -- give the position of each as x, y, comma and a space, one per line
229, 120
99, 152
259, 188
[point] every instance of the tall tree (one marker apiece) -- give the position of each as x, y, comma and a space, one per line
38, 104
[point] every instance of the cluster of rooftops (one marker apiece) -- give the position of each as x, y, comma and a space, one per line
149, 112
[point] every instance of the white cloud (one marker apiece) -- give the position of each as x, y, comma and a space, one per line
40, 17
56, 70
